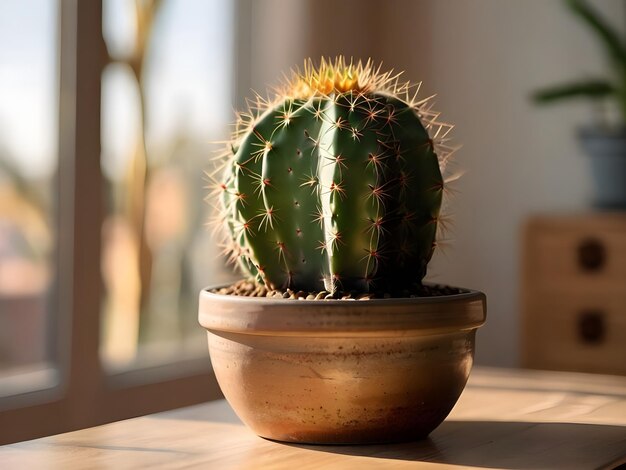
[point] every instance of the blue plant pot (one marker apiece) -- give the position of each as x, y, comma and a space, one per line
607, 151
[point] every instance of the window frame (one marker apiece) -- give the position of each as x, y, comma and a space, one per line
85, 394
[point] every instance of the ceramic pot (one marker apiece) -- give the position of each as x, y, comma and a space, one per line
342, 371
607, 151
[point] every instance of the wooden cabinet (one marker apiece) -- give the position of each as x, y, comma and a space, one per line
574, 293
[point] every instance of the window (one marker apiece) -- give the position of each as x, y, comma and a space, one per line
28, 162
112, 262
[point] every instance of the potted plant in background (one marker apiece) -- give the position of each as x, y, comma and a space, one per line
604, 142
331, 194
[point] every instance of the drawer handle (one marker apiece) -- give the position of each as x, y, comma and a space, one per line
591, 255
591, 327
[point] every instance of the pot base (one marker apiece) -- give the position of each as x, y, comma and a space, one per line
374, 438
395, 428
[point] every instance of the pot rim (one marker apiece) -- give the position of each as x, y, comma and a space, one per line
223, 313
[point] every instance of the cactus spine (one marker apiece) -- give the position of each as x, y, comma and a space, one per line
336, 183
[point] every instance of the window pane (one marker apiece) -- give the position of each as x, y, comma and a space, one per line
166, 95
28, 161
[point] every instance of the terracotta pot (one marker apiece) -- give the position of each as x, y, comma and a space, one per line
342, 371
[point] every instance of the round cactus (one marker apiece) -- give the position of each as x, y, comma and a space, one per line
336, 183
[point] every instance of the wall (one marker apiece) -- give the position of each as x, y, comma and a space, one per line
483, 58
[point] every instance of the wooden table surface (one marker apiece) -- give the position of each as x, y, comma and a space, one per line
504, 419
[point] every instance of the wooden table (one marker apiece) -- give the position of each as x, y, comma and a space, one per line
504, 419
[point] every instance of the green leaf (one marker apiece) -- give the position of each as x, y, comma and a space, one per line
591, 89
610, 38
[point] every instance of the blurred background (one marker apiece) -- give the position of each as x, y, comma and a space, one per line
158, 80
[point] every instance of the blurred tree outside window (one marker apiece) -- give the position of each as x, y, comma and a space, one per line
166, 94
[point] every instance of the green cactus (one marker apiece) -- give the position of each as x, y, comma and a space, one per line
336, 184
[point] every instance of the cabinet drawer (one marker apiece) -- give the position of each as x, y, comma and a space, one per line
574, 254
577, 332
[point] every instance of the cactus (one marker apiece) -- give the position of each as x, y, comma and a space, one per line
336, 183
